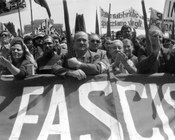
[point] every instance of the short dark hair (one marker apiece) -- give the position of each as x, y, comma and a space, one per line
4, 31
27, 38
124, 27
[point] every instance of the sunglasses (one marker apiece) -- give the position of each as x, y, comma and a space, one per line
4, 35
93, 41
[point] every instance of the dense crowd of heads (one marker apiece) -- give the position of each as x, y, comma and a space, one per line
126, 53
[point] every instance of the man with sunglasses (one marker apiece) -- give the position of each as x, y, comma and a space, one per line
5, 38
83, 63
95, 46
5, 43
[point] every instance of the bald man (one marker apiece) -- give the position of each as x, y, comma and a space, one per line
83, 63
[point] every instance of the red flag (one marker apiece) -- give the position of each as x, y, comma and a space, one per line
44, 4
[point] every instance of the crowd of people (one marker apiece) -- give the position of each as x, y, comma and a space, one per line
92, 54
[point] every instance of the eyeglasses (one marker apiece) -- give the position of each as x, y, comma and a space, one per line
4, 35
93, 41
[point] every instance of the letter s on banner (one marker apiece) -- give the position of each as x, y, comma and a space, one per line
160, 111
110, 122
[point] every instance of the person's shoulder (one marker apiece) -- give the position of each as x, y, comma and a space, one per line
101, 51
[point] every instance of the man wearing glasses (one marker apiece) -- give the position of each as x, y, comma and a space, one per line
95, 46
5, 46
5, 43
83, 63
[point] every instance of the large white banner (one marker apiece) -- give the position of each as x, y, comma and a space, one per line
169, 10
130, 17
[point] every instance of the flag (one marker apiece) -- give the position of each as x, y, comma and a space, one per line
79, 23
97, 24
44, 4
155, 18
108, 24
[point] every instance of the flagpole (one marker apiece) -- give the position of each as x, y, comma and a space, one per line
67, 26
172, 32
31, 12
100, 21
97, 24
20, 19
148, 42
108, 24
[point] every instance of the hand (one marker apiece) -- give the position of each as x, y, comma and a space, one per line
79, 74
73, 63
121, 57
157, 46
3, 61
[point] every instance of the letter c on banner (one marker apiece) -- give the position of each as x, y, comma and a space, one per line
102, 116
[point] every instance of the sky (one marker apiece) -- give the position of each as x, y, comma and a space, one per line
85, 7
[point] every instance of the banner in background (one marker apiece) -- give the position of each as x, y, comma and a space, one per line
46, 107
155, 18
11, 6
130, 17
168, 15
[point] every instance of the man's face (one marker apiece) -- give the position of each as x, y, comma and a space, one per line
94, 43
81, 42
29, 44
107, 44
5, 37
127, 33
114, 49
154, 34
39, 41
128, 47
48, 45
